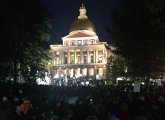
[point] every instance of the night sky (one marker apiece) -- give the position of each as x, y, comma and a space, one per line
65, 12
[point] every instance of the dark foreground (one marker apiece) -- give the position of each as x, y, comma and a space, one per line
33, 102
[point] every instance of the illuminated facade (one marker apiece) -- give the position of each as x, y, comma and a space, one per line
81, 53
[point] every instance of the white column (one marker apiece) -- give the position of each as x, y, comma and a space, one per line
63, 57
81, 56
75, 57
54, 58
96, 55
60, 57
88, 57
68, 56
104, 54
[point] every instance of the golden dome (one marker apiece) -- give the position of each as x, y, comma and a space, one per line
82, 23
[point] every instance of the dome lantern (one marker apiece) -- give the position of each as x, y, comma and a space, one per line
82, 11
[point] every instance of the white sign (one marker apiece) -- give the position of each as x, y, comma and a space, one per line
136, 87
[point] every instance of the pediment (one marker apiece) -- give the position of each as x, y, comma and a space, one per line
79, 34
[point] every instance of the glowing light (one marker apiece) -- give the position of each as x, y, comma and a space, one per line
87, 82
97, 76
91, 71
84, 71
142, 83
56, 76
62, 75
119, 78
72, 73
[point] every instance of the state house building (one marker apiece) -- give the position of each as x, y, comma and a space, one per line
81, 53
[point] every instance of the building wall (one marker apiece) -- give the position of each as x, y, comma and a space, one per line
75, 61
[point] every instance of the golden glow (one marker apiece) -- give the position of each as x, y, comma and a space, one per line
91, 71
100, 71
71, 72
84, 71
78, 71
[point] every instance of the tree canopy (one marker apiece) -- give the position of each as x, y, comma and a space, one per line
138, 28
24, 36
116, 67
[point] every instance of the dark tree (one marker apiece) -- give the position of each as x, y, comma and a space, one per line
116, 67
138, 27
24, 37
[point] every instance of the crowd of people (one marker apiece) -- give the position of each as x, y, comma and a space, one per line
102, 102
